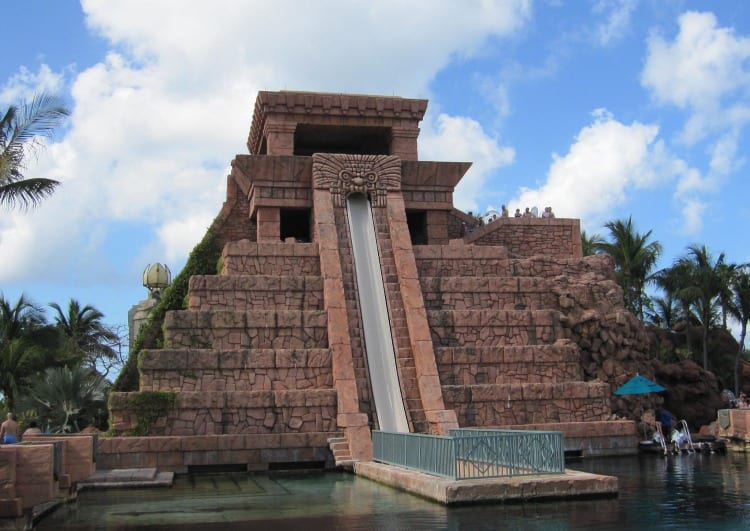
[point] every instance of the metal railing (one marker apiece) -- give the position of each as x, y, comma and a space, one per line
473, 453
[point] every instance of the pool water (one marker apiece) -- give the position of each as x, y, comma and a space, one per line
679, 492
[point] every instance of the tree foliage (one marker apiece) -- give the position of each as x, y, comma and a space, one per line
52, 370
23, 129
635, 259
202, 261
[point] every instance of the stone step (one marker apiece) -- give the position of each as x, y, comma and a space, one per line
506, 404
255, 292
559, 362
341, 453
493, 328
513, 293
223, 413
251, 258
239, 370
230, 330
127, 478
481, 260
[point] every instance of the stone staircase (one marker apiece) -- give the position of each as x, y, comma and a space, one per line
499, 329
341, 453
250, 355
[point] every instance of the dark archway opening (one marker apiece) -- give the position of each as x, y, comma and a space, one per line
417, 222
295, 223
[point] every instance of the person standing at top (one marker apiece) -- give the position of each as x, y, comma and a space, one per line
9, 431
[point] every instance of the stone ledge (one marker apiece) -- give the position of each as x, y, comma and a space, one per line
571, 484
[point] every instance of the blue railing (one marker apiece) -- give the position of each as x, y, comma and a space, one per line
473, 453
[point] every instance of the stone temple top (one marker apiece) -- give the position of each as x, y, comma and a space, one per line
303, 123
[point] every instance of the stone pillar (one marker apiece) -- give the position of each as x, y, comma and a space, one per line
269, 224
440, 419
279, 138
137, 317
437, 227
404, 142
354, 423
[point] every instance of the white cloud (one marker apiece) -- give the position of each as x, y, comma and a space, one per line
23, 85
703, 70
157, 121
458, 138
178, 237
617, 15
606, 161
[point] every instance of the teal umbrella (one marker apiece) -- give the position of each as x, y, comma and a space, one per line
638, 385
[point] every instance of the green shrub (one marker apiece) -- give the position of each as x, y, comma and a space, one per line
202, 261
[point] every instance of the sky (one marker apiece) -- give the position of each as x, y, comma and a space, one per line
601, 109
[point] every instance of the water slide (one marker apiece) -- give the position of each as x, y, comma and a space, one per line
381, 358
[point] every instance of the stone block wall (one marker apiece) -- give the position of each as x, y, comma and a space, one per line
259, 291
229, 330
487, 261
505, 293
512, 362
494, 328
230, 370
10, 504
557, 238
78, 454
35, 481
282, 259
246, 374
233, 222
556, 363
237, 412
735, 424
177, 453
533, 403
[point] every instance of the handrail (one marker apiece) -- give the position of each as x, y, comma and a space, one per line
686, 429
473, 453
662, 441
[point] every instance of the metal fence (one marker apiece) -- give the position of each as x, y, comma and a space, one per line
473, 453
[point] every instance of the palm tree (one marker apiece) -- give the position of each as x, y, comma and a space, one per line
704, 287
634, 257
20, 355
740, 308
66, 397
662, 312
22, 130
672, 280
726, 273
89, 340
590, 244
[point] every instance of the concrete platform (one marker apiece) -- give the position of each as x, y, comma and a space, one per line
127, 477
572, 484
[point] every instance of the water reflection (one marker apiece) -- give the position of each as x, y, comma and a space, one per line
680, 492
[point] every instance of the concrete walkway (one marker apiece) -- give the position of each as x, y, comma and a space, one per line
571, 484
127, 477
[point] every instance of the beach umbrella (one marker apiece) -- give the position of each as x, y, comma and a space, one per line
638, 385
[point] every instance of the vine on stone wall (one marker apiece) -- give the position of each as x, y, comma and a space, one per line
202, 261
149, 407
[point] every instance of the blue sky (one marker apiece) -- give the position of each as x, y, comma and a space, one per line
602, 109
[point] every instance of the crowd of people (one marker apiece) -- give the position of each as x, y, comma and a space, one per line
530, 213
492, 216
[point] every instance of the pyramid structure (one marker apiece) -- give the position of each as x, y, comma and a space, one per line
269, 362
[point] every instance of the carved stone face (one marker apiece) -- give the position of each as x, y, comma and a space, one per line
372, 175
